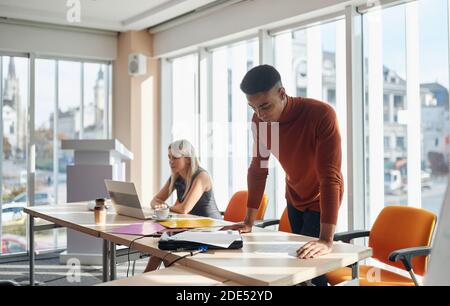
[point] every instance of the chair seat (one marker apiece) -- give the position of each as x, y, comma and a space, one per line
366, 277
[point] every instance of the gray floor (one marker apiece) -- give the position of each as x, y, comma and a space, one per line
48, 272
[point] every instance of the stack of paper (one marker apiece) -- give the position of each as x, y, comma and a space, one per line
219, 238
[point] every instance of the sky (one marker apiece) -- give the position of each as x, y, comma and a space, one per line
433, 40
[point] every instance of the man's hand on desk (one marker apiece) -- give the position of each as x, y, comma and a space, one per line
241, 227
314, 249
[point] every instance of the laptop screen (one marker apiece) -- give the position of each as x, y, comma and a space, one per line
125, 199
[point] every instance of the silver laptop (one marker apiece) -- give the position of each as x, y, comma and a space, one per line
126, 200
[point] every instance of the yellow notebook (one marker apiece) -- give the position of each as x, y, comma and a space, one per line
189, 223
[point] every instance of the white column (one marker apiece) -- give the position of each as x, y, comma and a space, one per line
413, 106
220, 128
314, 62
376, 126
355, 120
341, 111
82, 101
265, 48
239, 119
55, 137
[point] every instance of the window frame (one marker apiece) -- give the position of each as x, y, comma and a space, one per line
31, 144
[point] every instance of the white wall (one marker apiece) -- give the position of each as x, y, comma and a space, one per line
241, 19
58, 41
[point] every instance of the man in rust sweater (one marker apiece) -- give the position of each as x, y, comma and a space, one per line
308, 147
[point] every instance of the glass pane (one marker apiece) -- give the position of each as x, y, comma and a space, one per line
14, 163
407, 135
184, 97
314, 66
46, 176
434, 80
68, 127
94, 101
231, 149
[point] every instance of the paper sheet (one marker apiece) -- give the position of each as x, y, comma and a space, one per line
141, 229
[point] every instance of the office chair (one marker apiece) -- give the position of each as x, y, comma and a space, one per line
237, 207
400, 237
283, 222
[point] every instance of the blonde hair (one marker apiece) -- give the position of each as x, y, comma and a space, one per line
183, 148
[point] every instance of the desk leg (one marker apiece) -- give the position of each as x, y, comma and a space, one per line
105, 258
31, 233
112, 249
355, 274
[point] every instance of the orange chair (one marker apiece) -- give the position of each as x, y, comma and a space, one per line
283, 222
285, 226
237, 207
400, 237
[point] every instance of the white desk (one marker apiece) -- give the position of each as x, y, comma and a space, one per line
76, 216
265, 259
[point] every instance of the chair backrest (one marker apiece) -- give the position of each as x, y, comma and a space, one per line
284, 225
398, 227
237, 207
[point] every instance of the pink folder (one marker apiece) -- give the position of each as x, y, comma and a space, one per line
141, 229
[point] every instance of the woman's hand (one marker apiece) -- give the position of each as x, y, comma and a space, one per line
157, 203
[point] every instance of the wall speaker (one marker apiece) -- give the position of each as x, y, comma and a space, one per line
137, 64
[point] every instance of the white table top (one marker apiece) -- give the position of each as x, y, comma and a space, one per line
267, 257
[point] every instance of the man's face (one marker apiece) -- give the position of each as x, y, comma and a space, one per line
268, 105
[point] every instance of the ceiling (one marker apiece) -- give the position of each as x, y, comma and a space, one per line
115, 15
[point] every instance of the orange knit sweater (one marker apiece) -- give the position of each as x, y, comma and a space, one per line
309, 152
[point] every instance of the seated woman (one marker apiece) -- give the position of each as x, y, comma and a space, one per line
192, 184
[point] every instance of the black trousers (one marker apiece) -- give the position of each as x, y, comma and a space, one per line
306, 223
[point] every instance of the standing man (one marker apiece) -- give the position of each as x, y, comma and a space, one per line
309, 150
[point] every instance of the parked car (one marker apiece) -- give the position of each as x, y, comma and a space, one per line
13, 244
426, 180
12, 212
40, 198
16, 244
394, 183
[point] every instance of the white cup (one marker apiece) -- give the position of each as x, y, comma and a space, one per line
162, 213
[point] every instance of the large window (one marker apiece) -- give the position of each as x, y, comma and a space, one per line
406, 84
71, 101
398, 108
214, 115
14, 103
312, 64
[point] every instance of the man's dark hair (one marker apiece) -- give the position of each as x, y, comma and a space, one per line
260, 79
